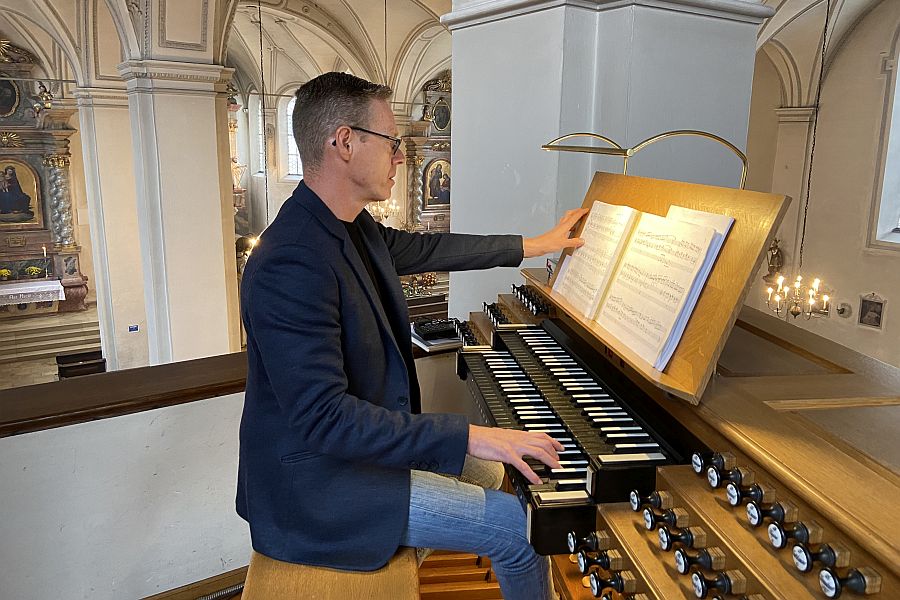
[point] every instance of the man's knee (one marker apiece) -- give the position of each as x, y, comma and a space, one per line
487, 474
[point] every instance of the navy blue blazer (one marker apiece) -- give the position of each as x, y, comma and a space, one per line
327, 436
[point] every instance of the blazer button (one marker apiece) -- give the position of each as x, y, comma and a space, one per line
403, 400
413, 464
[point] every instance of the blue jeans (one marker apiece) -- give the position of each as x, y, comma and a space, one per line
453, 514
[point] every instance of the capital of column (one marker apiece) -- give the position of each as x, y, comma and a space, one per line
56, 160
162, 75
796, 114
467, 14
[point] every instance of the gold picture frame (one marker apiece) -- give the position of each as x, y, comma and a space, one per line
436, 184
20, 196
10, 97
441, 115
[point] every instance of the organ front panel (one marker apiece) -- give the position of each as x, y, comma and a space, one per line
658, 499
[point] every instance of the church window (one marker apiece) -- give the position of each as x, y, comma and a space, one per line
886, 221
294, 165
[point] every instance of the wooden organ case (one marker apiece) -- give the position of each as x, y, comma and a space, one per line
764, 484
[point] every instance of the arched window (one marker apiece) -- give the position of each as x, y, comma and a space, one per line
885, 225
261, 137
294, 166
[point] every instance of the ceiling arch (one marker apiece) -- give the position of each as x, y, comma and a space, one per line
309, 38
25, 20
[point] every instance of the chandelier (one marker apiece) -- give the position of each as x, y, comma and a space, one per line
384, 209
800, 298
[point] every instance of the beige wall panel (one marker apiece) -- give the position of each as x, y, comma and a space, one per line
191, 213
184, 21
106, 51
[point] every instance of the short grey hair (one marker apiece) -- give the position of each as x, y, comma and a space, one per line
325, 103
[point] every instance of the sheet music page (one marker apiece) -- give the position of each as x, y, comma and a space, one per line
588, 270
652, 282
722, 224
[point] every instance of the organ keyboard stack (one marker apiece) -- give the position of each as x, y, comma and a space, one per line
529, 381
658, 499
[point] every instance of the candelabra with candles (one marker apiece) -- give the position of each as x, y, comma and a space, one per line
384, 209
798, 299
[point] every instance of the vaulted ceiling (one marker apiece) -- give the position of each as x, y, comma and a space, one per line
792, 40
288, 42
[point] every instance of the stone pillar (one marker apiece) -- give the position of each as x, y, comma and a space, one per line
620, 68
60, 200
414, 162
109, 182
184, 208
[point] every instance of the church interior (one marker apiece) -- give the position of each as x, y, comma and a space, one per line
146, 145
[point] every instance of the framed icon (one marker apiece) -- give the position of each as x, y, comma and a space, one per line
9, 96
436, 184
871, 311
441, 115
20, 196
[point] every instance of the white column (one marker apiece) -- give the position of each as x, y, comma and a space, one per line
527, 71
789, 173
184, 208
109, 182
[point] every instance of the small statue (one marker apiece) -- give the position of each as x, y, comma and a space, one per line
775, 261
43, 100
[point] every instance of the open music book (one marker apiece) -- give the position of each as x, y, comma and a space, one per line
639, 275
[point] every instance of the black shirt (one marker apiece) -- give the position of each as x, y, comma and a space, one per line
415, 393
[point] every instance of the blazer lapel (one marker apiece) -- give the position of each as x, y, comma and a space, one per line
311, 202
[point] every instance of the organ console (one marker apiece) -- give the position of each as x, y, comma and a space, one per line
746, 494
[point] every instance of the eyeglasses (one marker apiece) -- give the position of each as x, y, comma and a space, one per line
395, 142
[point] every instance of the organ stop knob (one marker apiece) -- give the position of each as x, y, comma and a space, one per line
859, 581
658, 500
594, 541
711, 559
779, 535
725, 582
778, 512
690, 537
609, 560
701, 460
673, 517
737, 495
718, 477
622, 582
828, 555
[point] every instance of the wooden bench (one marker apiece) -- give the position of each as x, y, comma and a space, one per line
270, 579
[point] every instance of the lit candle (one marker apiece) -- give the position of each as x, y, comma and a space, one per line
769, 290
780, 282
825, 300
816, 283
44, 248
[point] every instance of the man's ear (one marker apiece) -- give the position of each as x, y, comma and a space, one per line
341, 141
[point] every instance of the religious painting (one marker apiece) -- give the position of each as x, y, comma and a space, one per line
437, 184
20, 198
441, 115
9, 96
871, 310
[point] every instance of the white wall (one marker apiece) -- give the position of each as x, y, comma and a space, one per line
124, 507
844, 177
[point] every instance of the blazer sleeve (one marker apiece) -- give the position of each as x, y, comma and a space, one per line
418, 252
293, 315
